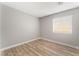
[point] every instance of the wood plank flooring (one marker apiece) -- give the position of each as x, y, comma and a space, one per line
41, 47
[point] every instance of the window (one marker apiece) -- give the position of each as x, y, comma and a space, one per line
62, 24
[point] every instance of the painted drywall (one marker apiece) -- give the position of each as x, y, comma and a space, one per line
0, 26
17, 27
46, 28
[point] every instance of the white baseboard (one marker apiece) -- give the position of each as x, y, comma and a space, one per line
18, 44
77, 47
37, 39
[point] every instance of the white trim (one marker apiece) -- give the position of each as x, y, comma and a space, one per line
77, 47
18, 44
37, 39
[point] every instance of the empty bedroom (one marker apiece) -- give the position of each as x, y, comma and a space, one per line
39, 28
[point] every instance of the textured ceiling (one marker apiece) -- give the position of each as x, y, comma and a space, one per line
40, 9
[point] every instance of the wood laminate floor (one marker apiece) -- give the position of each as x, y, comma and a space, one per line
41, 47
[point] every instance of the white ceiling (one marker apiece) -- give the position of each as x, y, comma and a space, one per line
40, 9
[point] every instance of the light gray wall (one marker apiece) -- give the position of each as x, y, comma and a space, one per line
0, 26
17, 27
46, 26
